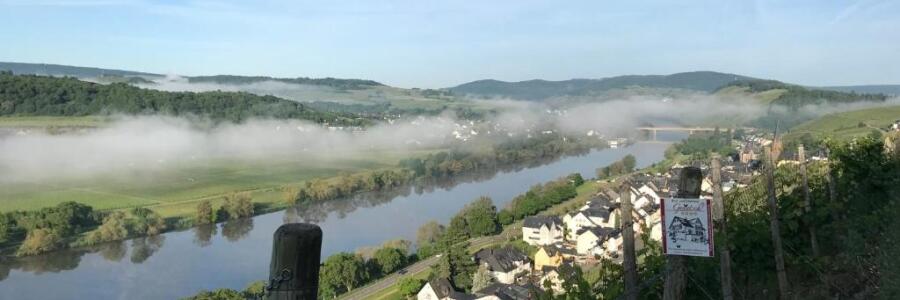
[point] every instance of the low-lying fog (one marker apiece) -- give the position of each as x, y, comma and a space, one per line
147, 142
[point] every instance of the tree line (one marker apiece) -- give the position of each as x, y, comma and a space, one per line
623, 166
32, 95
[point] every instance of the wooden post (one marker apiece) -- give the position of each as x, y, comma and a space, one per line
629, 257
720, 221
807, 200
774, 226
689, 182
294, 270
832, 190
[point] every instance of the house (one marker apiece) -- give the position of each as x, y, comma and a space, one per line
591, 217
552, 255
502, 291
505, 264
555, 276
590, 240
542, 230
440, 289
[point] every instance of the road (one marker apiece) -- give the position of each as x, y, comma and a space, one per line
388, 281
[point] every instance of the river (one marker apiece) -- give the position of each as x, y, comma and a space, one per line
181, 263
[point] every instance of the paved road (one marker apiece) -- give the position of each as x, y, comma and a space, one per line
421, 266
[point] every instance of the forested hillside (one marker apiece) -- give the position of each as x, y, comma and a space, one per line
30, 95
542, 89
62, 70
345, 84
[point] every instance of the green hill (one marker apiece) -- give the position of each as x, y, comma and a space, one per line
536, 90
887, 89
62, 70
846, 125
32, 95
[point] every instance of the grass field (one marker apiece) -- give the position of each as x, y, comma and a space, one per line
847, 125
174, 191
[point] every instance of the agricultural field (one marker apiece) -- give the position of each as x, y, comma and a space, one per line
847, 125
174, 191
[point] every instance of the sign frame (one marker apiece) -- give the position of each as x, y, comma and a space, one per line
692, 210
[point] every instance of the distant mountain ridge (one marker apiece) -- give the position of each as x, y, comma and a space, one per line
64, 70
85, 72
706, 81
887, 89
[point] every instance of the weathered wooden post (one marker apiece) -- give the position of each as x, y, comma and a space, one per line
720, 224
294, 270
689, 183
774, 226
629, 261
807, 200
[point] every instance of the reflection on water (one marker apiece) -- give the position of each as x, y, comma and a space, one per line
241, 253
143, 248
203, 234
234, 230
114, 251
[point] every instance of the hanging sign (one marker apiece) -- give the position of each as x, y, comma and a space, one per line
686, 226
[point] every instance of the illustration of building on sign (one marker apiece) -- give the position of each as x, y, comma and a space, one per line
682, 229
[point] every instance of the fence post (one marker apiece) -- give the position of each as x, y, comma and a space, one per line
774, 226
294, 269
720, 221
807, 200
689, 182
629, 261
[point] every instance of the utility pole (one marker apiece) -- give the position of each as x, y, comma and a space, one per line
807, 201
629, 260
719, 220
774, 227
689, 182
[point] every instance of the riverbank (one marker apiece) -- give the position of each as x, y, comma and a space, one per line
418, 170
238, 252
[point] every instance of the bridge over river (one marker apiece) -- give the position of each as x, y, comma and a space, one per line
652, 130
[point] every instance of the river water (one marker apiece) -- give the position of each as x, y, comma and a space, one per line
179, 264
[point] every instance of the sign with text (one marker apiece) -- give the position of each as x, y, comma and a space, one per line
686, 226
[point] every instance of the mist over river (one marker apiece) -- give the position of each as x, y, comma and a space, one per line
181, 263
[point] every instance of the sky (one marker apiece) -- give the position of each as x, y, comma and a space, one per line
434, 44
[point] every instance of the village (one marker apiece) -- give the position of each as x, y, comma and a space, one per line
591, 234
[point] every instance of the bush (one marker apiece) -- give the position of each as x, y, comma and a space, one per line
39, 241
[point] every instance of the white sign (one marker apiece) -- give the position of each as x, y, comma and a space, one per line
686, 227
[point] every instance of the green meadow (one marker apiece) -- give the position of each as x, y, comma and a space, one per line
847, 125
175, 190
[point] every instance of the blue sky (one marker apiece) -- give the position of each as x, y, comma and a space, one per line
444, 43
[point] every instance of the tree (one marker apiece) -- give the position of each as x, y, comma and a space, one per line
114, 228
238, 205
629, 162
576, 179
481, 217
429, 233
341, 273
409, 286
255, 290
218, 294
39, 241
205, 213
389, 259
289, 194
147, 221
481, 279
